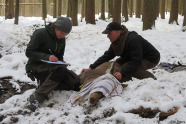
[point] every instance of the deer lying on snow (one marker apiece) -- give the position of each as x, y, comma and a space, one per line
98, 83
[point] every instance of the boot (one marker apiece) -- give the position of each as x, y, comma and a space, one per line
94, 97
34, 101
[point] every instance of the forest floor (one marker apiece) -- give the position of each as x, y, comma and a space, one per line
7, 90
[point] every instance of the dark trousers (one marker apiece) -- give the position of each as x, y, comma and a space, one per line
142, 72
54, 77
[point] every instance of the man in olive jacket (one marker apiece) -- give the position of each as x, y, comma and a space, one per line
49, 44
136, 54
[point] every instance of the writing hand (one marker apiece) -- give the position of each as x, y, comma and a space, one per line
52, 58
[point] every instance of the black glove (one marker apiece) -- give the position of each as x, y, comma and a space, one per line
30, 75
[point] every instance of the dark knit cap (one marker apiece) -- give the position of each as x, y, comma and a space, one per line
112, 26
63, 24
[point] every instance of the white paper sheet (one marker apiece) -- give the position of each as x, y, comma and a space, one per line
58, 62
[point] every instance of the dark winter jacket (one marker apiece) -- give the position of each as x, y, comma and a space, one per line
136, 48
41, 41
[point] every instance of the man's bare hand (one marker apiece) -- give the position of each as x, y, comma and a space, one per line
118, 75
52, 58
85, 70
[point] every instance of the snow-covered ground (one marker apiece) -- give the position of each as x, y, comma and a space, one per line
84, 45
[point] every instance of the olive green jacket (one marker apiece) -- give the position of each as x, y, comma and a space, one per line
41, 41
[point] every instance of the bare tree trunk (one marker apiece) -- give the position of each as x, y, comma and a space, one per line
74, 11
17, 12
10, 6
179, 7
125, 10
54, 8
184, 6
138, 8
23, 10
90, 11
59, 7
6, 9
131, 8
64, 6
155, 11
157, 4
174, 12
33, 8
163, 9
97, 6
184, 10
86, 10
1, 11
117, 11
69, 9
141, 7
83, 9
44, 7
106, 7
103, 9
148, 19
110, 9
166, 6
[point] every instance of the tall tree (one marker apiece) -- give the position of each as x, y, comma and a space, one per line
82, 9
141, 7
138, 8
97, 6
17, 12
166, 6
156, 4
44, 7
9, 9
74, 12
180, 11
163, 9
117, 11
125, 10
59, 7
64, 7
131, 8
90, 11
106, 7
69, 9
23, 10
148, 19
110, 8
54, 8
155, 10
174, 12
6, 9
103, 9
184, 10
184, 6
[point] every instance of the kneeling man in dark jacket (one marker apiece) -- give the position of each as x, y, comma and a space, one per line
136, 54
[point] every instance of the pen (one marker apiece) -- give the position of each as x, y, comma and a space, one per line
50, 51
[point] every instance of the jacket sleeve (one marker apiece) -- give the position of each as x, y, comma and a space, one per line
33, 48
108, 55
61, 53
136, 55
